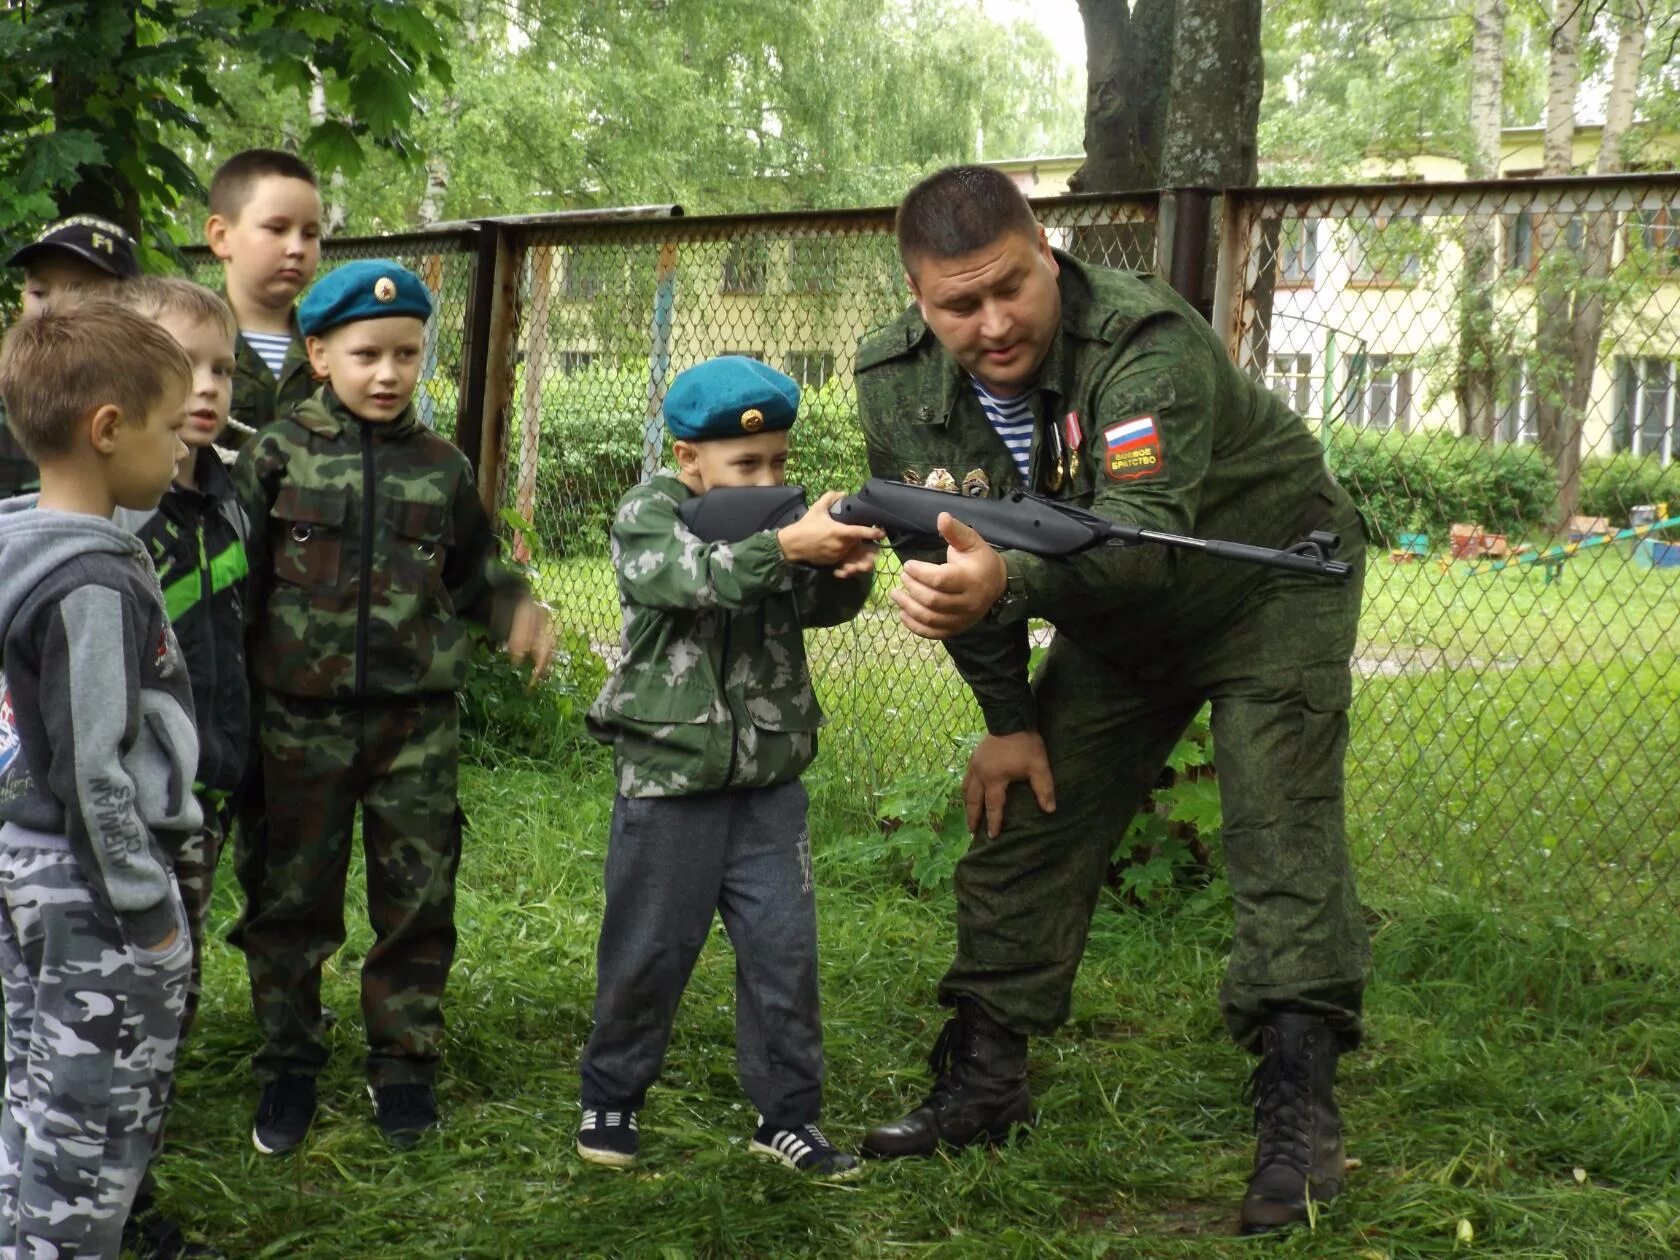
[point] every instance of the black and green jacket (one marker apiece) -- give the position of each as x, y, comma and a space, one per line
196, 538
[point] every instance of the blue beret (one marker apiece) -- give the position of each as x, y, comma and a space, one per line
730, 396
369, 288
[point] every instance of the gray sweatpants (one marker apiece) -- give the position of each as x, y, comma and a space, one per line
91, 1028
671, 861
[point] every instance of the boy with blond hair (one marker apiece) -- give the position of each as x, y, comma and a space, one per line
97, 752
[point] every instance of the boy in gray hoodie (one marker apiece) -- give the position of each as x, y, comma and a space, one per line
97, 758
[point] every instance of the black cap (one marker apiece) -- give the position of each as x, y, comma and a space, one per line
92, 239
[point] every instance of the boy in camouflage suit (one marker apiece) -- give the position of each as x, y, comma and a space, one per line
81, 253
712, 720
96, 751
369, 554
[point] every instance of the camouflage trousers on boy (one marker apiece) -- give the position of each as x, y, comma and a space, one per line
397, 759
195, 872
91, 1029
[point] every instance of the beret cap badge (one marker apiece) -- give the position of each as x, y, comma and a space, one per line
385, 289
752, 420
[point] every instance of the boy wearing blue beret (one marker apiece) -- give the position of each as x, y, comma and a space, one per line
712, 720
370, 554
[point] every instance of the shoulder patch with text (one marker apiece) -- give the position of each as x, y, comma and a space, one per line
1132, 449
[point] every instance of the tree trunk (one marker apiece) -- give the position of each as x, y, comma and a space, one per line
1557, 271
1593, 296
437, 186
1213, 112
333, 212
1477, 354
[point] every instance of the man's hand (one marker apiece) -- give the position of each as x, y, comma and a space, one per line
937, 601
531, 637
818, 539
998, 761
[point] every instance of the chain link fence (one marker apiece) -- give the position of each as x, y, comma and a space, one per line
1492, 369
1454, 345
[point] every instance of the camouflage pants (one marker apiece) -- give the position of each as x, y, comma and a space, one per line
397, 760
91, 1029
195, 872
1279, 680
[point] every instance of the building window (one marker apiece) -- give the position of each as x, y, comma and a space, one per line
746, 354
582, 276
745, 266
1387, 250
1645, 408
1290, 377
1298, 253
813, 265
1521, 232
570, 361
1379, 392
1518, 403
1655, 235
811, 368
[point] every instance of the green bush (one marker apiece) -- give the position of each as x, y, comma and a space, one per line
504, 715
1611, 485
1423, 482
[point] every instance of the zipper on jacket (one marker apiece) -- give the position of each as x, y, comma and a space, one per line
364, 595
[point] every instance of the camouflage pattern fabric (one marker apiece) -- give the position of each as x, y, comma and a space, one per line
712, 689
320, 759
259, 397
91, 1030
1143, 418
369, 553
195, 872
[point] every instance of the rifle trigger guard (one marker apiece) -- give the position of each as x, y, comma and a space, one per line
1319, 545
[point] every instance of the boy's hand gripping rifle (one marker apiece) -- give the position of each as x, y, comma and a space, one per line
1017, 522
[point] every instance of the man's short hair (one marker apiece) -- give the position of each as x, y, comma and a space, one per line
957, 211
157, 296
60, 366
235, 179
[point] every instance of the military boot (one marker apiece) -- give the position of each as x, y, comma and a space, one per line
979, 1090
1298, 1152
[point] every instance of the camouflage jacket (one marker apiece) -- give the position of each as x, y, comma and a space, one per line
258, 395
711, 690
1143, 418
369, 551
18, 474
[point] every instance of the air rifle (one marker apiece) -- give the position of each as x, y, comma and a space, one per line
1017, 522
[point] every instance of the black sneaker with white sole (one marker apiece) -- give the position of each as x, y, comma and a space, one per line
284, 1114
805, 1149
608, 1138
404, 1113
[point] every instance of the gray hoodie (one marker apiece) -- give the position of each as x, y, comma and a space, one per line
97, 744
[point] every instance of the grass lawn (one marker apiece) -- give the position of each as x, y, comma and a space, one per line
1519, 1081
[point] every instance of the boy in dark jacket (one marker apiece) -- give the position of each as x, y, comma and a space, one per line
97, 752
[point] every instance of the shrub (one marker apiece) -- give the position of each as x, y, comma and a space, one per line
1611, 485
1423, 482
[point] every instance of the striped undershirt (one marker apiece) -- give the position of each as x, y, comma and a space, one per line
270, 347
1013, 420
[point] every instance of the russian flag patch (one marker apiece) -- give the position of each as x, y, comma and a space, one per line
1133, 449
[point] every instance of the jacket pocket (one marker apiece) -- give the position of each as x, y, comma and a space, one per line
309, 535
1326, 693
788, 713
420, 538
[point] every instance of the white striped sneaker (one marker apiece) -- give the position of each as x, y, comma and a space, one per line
804, 1149
608, 1138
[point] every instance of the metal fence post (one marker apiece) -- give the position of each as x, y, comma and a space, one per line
490, 381
1186, 228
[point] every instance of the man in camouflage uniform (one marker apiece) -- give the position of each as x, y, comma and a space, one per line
1124, 402
712, 720
370, 553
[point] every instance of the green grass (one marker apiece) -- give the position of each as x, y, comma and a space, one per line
1504, 1055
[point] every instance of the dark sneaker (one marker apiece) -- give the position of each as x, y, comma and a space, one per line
284, 1115
608, 1138
803, 1148
404, 1113
150, 1235
1298, 1154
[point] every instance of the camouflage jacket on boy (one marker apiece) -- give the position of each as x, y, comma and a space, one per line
258, 395
712, 689
370, 552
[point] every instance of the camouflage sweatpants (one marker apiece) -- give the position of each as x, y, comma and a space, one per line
1279, 680
91, 1030
398, 759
